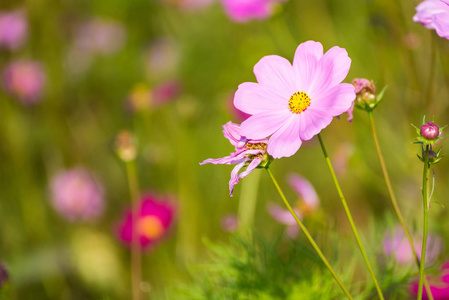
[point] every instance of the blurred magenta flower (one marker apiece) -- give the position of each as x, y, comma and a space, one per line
284, 216
4, 276
247, 152
13, 29
162, 58
166, 92
397, 245
242, 11
229, 222
439, 286
25, 80
307, 204
156, 216
434, 14
76, 195
293, 103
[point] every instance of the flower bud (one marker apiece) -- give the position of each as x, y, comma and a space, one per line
125, 146
430, 131
365, 93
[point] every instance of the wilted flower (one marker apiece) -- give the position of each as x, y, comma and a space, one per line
396, 244
24, 80
439, 286
245, 10
434, 14
430, 131
295, 102
4, 276
13, 29
76, 195
247, 152
155, 217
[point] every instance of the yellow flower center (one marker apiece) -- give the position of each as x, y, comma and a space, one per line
150, 227
298, 102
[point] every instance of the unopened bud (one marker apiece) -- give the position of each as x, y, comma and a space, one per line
125, 146
430, 131
365, 93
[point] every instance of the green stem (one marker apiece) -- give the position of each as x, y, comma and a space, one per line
394, 201
351, 222
425, 195
136, 255
309, 237
248, 200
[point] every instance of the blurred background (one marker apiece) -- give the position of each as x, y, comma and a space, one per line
75, 74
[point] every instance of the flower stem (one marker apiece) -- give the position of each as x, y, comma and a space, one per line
136, 255
351, 222
248, 200
425, 198
309, 237
394, 201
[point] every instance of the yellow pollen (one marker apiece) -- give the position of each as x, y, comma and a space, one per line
150, 227
298, 102
258, 146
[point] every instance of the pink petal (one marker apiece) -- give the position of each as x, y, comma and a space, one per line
235, 176
251, 167
283, 216
334, 101
253, 98
305, 62
332, 69
286, 141
441, 24
261, 125
304, 189
276, 73
231, 131
314, 121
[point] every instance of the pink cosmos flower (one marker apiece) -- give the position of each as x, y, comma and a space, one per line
434, 14
245, 10
247, 152
76, 195
155, 218
24, 80
239, 115
293, 103
438, 286
166, 91
13, 29
307, 204
229, 223
397, 245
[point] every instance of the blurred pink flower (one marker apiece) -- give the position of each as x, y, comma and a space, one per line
397, 245
284, 216
13, 29
162, 58
434, 14
295, 102
24, 80
76, 195
192, 5
155, 218
307, 203
166, 92
95, 37
242, 11
239, 115
308, 196
439, 286
247, 152
229, 223
4, 276
342, 156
